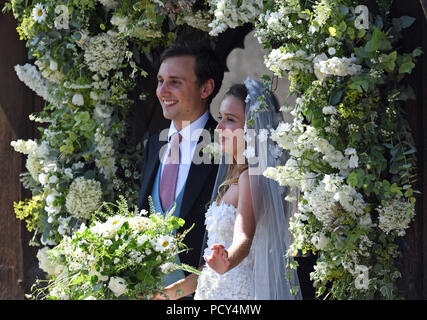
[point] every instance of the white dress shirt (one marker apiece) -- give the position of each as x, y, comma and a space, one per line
190, 136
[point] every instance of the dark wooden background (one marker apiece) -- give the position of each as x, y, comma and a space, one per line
18, 264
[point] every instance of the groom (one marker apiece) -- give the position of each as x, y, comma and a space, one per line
189, 77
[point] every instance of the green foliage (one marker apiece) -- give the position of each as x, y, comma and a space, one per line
349, 141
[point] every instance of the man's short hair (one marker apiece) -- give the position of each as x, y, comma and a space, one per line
207, 64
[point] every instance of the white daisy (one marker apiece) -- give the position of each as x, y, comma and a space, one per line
39, 13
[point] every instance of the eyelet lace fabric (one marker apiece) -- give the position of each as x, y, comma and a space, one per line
236, 284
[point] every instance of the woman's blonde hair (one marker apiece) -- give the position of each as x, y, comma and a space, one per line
232, 177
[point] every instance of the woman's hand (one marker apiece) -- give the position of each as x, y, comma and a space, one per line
218, 259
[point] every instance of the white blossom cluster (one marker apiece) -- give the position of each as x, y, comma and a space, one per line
277, 25
120, 22
49, 69
279, 61
327, 205
105, 162
103, 52
325, 67
83, 198
322, 11
232, 13
47, 264
36, 154
198, 20
301, 139
109, 4
35, 81
395, 216
141, 29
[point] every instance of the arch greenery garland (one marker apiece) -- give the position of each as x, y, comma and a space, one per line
352, 154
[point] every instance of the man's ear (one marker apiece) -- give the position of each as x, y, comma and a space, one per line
207, 88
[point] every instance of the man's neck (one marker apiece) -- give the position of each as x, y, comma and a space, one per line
181, 124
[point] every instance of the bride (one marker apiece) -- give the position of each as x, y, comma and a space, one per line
247, 223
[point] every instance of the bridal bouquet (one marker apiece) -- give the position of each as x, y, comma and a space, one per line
120, 255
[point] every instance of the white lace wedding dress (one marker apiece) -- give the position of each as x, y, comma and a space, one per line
236, 284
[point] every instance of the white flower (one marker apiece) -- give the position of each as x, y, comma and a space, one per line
317, 67
354, 159
83, 198
43, 179
120, 22
332, 182
106, 161
33, 166
104, 52
36, 82
142, 239
319, 240
109, 228
118, 286
68, 172
395, 215
332, 51
59, 293
39, 13
167, 267
329, 110
140, 223
338, 66
365, 220
53, 179
343, 198
164, 243
77, 99
109, 4
279, 61
46, 264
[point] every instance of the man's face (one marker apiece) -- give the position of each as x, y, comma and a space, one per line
178, 90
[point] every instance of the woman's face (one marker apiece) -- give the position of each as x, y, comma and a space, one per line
231, 127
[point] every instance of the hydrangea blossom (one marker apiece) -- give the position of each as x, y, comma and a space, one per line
395, 215
104, 52
84, 197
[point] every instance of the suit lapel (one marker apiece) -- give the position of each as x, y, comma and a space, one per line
152, 165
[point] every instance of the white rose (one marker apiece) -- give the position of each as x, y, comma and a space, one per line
117, 285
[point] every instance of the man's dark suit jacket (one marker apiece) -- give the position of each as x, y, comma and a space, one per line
197, 193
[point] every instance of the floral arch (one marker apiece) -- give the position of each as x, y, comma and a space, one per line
352, 153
